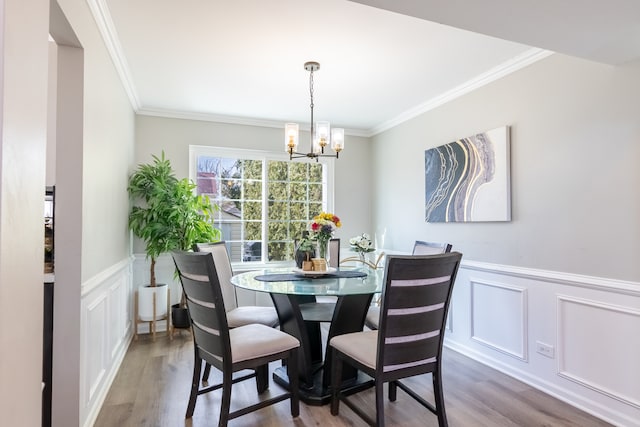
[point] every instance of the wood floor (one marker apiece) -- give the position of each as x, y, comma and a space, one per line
152, 389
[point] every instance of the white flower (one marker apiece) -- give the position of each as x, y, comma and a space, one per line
362, 243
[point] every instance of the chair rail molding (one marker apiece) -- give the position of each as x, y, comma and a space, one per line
571, 279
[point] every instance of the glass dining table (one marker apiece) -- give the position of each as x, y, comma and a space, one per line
294, 296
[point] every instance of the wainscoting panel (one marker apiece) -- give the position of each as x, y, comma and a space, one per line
96, 327
585, 340
499, 317
573, 337
118, 315
106, 305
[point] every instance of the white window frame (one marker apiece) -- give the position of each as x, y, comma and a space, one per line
241, 153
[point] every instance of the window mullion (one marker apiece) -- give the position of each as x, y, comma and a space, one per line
265, 201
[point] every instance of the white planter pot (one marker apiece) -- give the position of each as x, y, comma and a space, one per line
145, 302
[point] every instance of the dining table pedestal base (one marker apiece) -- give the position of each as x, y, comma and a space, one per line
319, 395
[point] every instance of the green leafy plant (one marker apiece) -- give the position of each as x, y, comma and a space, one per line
167, 215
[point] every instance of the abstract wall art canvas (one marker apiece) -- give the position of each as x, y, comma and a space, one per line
468, 180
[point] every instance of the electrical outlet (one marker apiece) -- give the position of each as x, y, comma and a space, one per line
544, 349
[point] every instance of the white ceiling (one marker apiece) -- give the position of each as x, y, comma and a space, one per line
242, 61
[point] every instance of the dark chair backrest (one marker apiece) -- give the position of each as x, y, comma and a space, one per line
223, 267
201, 286
334, 253
414, 307
430, 248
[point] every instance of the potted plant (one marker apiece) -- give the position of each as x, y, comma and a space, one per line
305, 250
166, 215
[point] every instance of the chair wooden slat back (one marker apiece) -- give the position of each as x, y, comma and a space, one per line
430, 248
206, 305
334, 252
415, 301
223, 266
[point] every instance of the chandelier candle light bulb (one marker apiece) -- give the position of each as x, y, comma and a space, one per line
291, 139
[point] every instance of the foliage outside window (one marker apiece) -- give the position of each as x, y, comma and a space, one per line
265, 200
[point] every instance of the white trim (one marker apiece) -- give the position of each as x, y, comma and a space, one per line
102, 16
99, 279
514, 64
232, 120
570, 279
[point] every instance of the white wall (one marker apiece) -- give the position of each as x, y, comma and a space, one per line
574, 132
23, 123
564, 271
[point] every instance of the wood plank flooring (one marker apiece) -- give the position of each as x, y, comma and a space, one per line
152, 389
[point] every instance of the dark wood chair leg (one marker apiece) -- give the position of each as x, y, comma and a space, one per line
393, 391
379, 403
195, 383
292, 369
205, 375
336, 382
262, 378
225, 403
439, 398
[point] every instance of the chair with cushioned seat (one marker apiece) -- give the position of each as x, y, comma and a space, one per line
415, 300
236, 315
251, 346
419, 248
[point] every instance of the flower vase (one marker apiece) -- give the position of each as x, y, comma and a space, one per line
363, 259
323, 250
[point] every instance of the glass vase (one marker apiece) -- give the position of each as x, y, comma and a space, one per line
323, 249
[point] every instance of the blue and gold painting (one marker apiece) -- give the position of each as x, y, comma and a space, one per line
468, 180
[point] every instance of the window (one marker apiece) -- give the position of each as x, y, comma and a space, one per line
265, 200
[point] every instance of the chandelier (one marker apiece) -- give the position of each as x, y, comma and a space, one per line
321, 133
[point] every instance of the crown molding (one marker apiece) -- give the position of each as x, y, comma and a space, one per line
102, 16
514, 64
234, 120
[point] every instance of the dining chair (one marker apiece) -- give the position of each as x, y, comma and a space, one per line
230, 350
419, 248
415, 300
236, 315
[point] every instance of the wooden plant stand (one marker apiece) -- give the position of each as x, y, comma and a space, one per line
152, 323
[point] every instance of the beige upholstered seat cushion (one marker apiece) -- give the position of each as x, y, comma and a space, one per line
361, 346
254, 341
373, 317
246, 315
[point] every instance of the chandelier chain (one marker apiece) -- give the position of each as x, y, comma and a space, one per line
311, 96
